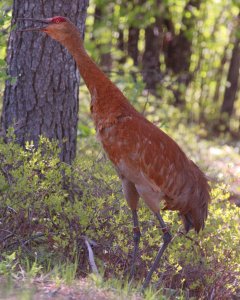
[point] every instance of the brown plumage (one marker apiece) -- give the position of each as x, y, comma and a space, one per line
150, 164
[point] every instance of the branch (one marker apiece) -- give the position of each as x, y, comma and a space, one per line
91, 256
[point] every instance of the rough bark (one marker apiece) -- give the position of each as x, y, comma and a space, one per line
43, 98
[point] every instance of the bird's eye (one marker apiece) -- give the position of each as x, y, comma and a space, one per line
58, 20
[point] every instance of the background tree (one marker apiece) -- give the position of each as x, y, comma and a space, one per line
43, 97
232, 78
178, 49
182, 49
103, 48
134, 25
151, 55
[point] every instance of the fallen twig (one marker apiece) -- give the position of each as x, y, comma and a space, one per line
91, 257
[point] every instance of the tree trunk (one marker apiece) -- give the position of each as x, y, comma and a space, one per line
178, 50
151, 59
43, 97
232, 80
121, 46
219, 76
104, 49
133, 37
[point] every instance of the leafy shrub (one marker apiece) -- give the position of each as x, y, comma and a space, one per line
49, 209
32, 191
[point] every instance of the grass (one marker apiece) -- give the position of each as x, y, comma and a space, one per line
60, 285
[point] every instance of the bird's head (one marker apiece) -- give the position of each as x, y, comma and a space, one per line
57, 27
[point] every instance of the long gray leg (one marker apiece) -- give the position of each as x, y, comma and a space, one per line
166, 240
132, 198
136, 239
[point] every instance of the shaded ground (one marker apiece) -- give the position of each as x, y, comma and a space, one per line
42, 290
225, 166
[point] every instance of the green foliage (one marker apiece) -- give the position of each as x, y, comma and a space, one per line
65, 272
5, 21
205, 27
8, 264
49, 208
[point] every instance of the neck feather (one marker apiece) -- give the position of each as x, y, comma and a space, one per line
94, 78
102, 90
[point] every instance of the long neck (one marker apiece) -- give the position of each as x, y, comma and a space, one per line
94, 78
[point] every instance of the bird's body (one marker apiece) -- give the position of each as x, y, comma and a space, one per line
147, 157
151, 161
150, 164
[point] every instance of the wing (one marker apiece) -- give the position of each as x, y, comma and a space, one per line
136, 146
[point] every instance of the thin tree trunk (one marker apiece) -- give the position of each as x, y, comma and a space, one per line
105, 55
232, 82
121, 45
133, 37
219, 76
178, 50
43, 97
151, 55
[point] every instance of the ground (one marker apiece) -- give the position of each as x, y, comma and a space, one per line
42, 289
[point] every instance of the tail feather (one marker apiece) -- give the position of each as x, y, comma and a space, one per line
187, 222
197, 213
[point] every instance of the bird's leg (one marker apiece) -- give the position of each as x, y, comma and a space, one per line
166, 240
136, 239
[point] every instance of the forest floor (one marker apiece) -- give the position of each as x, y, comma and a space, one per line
225, 167
82, 289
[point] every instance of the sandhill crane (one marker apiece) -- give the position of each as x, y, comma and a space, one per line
149, 163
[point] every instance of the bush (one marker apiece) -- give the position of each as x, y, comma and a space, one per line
49, 210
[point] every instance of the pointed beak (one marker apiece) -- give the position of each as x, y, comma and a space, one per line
39, 28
